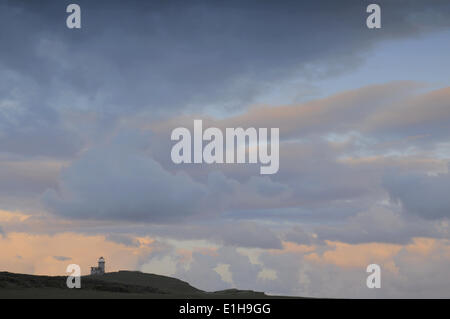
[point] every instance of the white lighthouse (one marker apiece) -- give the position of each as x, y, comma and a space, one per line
100, 270
101, 264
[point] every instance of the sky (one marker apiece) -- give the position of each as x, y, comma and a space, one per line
86, 117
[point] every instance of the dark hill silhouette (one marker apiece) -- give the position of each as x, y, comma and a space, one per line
161, 283
122, 284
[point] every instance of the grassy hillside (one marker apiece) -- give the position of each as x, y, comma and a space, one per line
160, 283
122, 284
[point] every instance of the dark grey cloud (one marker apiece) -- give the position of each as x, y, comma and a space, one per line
164, 55
223, 232
118, 183
298, 235
380, 225
420, 194
161, 57
250, 235
334, 169
124, 239
29, 126
27, 177
61, 258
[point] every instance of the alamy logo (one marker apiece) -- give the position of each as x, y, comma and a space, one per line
373, 21
73, 21
374, 279
239, 144
74, 279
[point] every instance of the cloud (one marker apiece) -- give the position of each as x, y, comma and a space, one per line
333, 270
250, 235
124, 239
334, 152
61, 258
378, 113
419, 194
380, 225
62, 89
164, 266
341, 112
29, 124
298, 235
423, 114
28, 176
202, 272
116, 182
190, 55
121, 181
223, 232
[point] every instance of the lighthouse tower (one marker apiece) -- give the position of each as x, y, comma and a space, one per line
101, 265
100, 270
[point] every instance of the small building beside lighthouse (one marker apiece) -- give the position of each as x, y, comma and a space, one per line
100, 270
